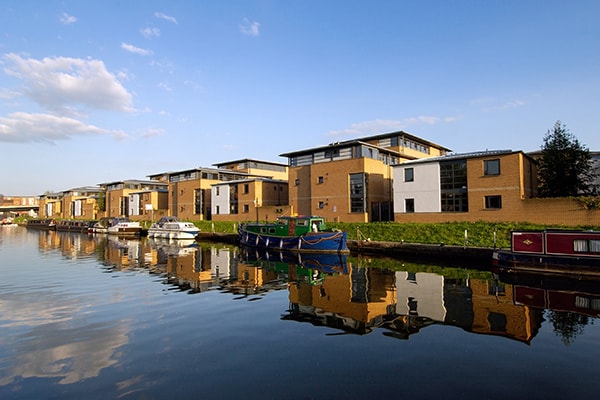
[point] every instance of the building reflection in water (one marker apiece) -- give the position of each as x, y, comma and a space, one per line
350, 294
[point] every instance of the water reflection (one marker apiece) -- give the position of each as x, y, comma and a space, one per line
354, 294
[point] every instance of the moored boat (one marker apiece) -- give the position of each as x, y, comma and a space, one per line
73, 225
8, 222
299, 233
552, 251
48, 224
124, 227
173, 228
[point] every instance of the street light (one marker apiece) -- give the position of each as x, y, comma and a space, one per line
256, 208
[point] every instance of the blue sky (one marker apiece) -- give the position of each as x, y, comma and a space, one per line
94, 92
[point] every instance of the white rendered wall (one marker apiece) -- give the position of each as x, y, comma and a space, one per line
424, 189
221, 200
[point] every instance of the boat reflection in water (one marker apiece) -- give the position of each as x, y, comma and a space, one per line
354, 294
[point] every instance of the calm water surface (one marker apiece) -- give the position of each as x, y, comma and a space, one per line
101, 317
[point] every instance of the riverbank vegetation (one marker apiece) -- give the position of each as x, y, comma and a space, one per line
475, 234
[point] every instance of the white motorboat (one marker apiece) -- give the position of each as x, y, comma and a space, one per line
173, 228
124, 227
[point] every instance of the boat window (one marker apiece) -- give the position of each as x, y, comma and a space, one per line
586, 246
271, 230
302, 222
263, 230
580, 246
594, 246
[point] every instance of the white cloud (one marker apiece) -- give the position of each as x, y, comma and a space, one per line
166, 17
250, 28
136, 50
62, 84
67, 19
150, 32
383, 126
24, 127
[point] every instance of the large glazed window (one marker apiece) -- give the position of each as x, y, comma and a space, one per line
357, 193
453, 186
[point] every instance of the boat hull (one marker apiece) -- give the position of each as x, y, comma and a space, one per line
572, 265
335, 241
552, 251
172, 234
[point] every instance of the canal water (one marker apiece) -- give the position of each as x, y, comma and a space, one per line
96, 317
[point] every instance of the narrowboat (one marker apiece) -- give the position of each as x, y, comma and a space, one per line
552, 251
48, 224
297, 233
73, 225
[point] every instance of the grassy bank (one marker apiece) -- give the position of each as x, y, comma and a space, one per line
478, 234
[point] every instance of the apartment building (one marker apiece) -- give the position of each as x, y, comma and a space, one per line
259, 168
488, 186
249, 199
351, 181
190, 191
80, 203
136, 199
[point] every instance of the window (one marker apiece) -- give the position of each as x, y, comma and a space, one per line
246, 188
453, 186
297, 182
246, 208
409, 174
409, 205
491, 167
198, 201
357, 193
321, 205
320, 180
493, 202
217, 210
218, 191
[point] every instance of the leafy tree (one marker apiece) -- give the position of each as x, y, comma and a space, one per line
101, 201
565, 166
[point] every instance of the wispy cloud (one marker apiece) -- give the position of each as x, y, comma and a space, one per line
165, 86
136, 50
506, 106
150, 32
152, 132
250, 28
493, 104
166, 17
30, 127
67, 19
386, 125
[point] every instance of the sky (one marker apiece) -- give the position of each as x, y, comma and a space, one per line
94, 92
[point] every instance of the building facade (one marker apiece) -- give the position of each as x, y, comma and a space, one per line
249, 199
487, 186
190, 191
351, 181
134, 198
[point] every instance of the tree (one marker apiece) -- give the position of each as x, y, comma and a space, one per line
565, 166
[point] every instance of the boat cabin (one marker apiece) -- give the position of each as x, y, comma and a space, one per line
290, 226
571, 243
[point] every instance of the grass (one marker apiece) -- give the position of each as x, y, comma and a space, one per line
478, 234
